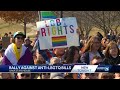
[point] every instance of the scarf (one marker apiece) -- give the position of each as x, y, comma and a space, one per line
15, 51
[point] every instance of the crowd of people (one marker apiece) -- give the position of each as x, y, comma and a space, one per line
93, 50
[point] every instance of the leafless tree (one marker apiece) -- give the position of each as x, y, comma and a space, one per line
19, 17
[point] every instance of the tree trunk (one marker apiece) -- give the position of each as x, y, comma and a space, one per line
25, 26
61, 14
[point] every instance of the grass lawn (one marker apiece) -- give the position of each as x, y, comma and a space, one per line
6, 28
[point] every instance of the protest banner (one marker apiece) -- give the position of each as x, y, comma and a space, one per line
5, 42
58, 33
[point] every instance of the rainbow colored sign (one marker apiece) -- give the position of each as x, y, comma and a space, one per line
58, 33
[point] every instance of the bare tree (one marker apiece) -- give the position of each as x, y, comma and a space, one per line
19, 17
105, 20
84, 22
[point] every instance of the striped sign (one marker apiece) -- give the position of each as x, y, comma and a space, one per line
45, 15
59, 41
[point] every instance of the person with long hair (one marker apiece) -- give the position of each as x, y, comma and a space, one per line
112, 54
72, 55
92, 49
118, 42
16, 53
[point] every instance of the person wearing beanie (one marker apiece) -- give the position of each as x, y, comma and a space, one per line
16, 53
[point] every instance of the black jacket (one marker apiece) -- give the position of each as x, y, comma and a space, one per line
112, 61
85, 57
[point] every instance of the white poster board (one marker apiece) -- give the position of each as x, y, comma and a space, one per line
58, 33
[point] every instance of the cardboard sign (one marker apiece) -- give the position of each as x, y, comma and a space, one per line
58, 33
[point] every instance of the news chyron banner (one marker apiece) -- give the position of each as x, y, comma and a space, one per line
60, 68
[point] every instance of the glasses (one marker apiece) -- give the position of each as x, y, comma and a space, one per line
27, 75
19, 38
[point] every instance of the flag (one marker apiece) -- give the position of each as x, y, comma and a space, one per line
46, 15
59, 41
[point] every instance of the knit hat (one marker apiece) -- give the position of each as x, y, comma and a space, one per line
18, 33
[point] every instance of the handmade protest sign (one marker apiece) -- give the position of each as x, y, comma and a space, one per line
58, 33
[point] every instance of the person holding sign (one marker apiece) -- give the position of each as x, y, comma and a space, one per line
17, 53
58, 33
47, 54
55, 35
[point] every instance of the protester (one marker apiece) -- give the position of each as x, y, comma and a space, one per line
72, 55
41, 76
7, 76
118, 42
104, 43
54, 60
93, 75
1, 55
93, 48
56, 76
27, 43
45, 75
11, 40
48, 54
117, 76
114, 36
0, 43
38, 60
17, 53
68, 76
109, 34
106, 76
99, 35
84, 76
10, 34
112, 53
23, 76
97, 60
6, 35
82, 44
